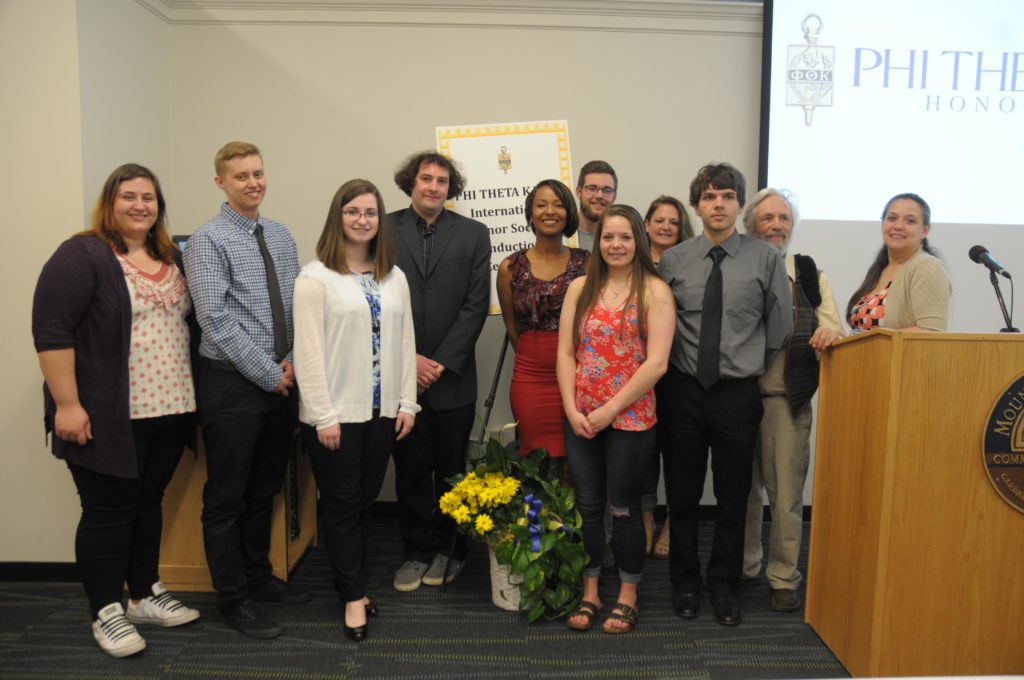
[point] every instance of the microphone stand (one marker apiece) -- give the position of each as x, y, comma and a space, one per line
1002, 305
488, 405
489, 401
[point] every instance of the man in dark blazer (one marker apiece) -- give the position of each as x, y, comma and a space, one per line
446, 258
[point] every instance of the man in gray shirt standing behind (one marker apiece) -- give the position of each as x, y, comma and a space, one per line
734, 313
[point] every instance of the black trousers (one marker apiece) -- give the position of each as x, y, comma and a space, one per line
434, 451
724, 419
118, 537
248, 435
349, 480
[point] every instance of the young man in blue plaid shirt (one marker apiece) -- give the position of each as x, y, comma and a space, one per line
241, 269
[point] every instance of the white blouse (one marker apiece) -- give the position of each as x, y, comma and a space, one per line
334, 348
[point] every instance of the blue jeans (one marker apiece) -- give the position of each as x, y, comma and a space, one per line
611, 466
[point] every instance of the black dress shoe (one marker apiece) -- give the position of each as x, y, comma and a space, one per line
371, 608
273, 589
727, 609
246, 617
357, 634
686, 604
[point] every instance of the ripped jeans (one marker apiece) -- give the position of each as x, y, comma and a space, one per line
610, 468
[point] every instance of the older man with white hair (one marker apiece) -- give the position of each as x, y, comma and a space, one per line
783, 450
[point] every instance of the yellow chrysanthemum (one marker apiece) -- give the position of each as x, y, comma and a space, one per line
484, 523
449, 502
461, 514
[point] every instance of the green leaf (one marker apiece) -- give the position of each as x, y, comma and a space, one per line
503, 552
520, 559
536, 612
520, 533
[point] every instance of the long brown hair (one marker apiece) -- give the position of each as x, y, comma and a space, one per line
330, 249
158, 243
597, 273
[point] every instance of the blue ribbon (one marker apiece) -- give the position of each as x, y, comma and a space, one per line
533, 506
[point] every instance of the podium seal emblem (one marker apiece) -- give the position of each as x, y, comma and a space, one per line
1003, 445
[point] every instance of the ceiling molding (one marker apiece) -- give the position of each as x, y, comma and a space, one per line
702, 17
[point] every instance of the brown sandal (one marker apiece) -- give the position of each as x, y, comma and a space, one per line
587, 609
622, 612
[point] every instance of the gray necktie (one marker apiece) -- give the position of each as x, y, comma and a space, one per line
276, 302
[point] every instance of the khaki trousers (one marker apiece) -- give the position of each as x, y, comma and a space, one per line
780, 466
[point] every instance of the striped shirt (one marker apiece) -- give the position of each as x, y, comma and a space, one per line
228, 283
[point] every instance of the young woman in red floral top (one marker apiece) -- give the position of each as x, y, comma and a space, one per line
613, 344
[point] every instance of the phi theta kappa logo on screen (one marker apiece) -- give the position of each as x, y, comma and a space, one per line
1004, 444
810, 70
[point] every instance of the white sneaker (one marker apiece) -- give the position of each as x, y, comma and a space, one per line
161, 608
115, 635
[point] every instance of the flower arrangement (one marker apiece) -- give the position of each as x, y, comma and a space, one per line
483, 502
530, 522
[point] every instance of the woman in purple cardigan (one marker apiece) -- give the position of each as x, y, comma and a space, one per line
109, 320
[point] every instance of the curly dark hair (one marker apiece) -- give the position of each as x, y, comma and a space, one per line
405, 176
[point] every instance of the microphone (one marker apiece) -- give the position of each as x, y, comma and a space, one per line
981, 255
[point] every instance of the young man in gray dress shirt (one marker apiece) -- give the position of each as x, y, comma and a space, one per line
711, 387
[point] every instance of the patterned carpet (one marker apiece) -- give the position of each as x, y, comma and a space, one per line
45, 633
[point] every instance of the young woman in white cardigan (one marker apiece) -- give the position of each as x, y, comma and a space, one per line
355, 362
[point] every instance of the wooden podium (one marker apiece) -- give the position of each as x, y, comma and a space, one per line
293, 526
916, 563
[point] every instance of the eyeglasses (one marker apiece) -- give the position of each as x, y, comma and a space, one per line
355, 214
592, 189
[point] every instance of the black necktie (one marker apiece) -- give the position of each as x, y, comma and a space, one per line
276, 302
428, 241
711, 323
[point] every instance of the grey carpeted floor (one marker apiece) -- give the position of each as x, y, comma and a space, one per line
45, 633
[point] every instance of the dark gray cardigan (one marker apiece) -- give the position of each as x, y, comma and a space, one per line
82, 303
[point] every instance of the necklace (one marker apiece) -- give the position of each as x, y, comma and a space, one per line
616, 293
363, 268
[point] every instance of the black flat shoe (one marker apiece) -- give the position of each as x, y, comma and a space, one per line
357, 634
371, 608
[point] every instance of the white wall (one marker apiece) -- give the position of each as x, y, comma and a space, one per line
41, 191
329, 92
124, 65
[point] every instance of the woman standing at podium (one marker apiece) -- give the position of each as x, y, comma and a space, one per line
906, 287
109, 320
531, 286
355, 364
